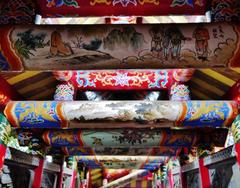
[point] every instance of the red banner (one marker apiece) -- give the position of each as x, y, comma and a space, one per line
58, 8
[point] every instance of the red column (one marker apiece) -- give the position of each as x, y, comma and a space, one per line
170, 175
73, 180
38, 172
183, 179
237, 149
204, 174
60, 177
3, 149
89, 179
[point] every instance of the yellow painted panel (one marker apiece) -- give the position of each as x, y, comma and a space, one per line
22, 76
33, 86
218, 77
144, 184
96, 171
236, 70
133, 184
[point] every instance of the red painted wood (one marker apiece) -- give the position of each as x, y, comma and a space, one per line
234, 93
120, 8
204, 174
183, 179
7, 93
170, 175
73, 180
89, 179
60, 177
237, 148
38, 172
125, 79
3, 149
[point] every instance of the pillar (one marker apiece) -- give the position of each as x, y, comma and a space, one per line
170, 177
5, 131
60, 161
38, 172
204, 175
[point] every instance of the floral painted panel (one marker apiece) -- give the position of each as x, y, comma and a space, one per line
120, 7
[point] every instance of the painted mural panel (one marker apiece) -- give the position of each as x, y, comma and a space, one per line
135, 138
120, 46
119, 7
53, 114
100, 150
120, 138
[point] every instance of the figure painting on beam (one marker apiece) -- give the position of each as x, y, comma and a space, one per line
116, 47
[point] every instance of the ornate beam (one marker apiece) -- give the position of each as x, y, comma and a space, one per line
155, 151
135, 138
88, 8
102, 114
121, 162
119, 46
124, 79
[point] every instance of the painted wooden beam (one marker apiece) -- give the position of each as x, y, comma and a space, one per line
100, 150
124, 79
88, 8
121, 162
119, 46
99, 114
134, 138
